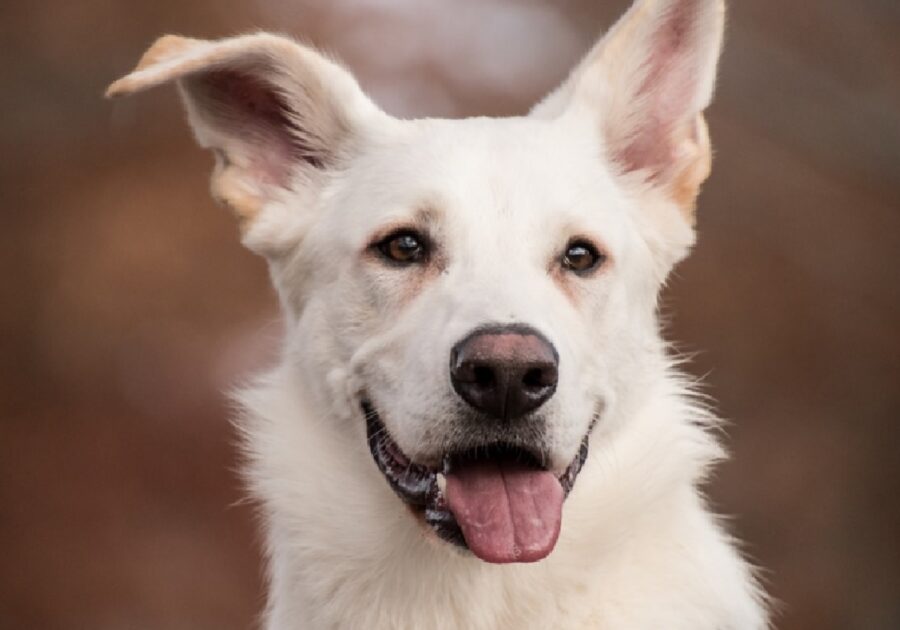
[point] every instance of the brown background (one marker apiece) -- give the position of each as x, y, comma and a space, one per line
128, 306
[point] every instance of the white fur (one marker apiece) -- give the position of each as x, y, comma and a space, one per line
500, 198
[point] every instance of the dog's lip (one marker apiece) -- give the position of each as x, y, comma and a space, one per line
417, 485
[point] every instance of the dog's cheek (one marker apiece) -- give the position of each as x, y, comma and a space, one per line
421, 383
370, 326
601, 350
380, 292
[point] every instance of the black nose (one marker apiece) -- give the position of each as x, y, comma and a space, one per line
504, 371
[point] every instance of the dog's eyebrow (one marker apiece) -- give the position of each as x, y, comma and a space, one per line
427, 214
424, 216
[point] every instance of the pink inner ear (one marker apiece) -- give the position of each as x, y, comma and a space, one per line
252, 111
665, 94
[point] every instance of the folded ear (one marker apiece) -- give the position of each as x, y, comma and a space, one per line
276, 114
646, 83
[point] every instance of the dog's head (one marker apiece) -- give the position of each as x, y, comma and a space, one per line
483, 290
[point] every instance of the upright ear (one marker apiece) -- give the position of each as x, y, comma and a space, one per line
647, 83
276, 114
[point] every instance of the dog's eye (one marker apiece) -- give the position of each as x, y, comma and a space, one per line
403, 247
581, 257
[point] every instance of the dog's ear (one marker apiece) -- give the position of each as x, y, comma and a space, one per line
646, 83
276, 114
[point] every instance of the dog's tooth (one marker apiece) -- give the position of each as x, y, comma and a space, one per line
441, 482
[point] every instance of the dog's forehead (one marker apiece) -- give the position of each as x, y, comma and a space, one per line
505, 154
519, 170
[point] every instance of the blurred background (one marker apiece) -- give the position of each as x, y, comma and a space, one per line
128, 307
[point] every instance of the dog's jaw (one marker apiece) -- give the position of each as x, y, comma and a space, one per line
424, 489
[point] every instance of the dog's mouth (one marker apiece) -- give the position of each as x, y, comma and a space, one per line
497, 500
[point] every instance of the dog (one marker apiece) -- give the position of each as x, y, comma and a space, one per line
475, 422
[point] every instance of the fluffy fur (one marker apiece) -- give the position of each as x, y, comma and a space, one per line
317, 173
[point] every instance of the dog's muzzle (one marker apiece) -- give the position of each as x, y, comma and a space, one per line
493, 494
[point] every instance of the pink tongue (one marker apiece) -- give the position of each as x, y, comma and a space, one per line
508, 512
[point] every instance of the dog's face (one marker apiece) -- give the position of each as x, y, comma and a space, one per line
481, 291
479, 232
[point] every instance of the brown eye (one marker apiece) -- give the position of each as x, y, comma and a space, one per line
403, 247
581, 257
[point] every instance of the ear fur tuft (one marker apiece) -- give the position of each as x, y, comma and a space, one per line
275, 113
646, 84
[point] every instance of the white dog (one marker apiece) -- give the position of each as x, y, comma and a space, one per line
475, 423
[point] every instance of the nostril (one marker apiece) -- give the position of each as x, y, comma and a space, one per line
534, 378
539, 377
484, 376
